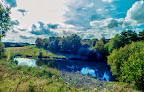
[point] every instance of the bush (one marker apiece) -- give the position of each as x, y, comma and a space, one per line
132, 69
127, 63
83, 51
40, 55
1, 50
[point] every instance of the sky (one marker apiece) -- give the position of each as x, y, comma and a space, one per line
89, 19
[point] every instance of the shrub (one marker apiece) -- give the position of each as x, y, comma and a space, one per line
1, 49
127, 63
132, 70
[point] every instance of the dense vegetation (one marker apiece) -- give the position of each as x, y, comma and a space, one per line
1, 50
89, 47
12, 44
127, 64
69, 44
4, 20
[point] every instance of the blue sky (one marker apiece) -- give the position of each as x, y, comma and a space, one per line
87, 18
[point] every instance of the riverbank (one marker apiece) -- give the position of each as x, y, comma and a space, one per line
23, 78
71, 82
32, 51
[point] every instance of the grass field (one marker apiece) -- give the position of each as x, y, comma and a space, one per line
30, 51
14, 78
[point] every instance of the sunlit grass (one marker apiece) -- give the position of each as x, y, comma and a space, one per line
31, 51
14, 78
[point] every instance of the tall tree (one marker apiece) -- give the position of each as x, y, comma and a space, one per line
4, 20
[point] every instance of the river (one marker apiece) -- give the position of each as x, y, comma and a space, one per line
97, 69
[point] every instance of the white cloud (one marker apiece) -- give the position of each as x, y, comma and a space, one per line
135, 15
107, 23
109, 1
87, 18
47, 11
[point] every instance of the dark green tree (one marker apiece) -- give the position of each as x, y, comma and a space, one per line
39, 42
4, 20
1, 49
129, 36
4, 25
141, 33
92, 42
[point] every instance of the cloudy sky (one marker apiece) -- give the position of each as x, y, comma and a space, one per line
88, 18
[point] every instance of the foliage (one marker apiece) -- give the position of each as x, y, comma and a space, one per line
141, 33
92, 42
69, 44
4, 19
1, 49
83, 51
100, 46
40, 55
39, 42
132, 69
126, 37
11, 44
120, 59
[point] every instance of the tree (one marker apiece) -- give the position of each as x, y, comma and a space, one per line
39, 42
100, 47
114, 43
132, 70
129, 36
141, 33
4, 20
126, 37
4, 25
92, 42
70, 43
40, 55
127, 63
1, 49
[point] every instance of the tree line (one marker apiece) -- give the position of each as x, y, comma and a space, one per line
76, 45
69, 44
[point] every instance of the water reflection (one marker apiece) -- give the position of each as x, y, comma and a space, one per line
99, 70
26, 61
87, 70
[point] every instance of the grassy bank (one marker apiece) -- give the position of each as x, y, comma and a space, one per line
14, 78
31, 51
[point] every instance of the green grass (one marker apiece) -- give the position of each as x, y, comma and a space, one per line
14, 78
31, 51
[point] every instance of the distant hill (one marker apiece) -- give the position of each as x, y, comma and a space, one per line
12, 44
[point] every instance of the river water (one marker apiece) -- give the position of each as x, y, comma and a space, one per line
97, 69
